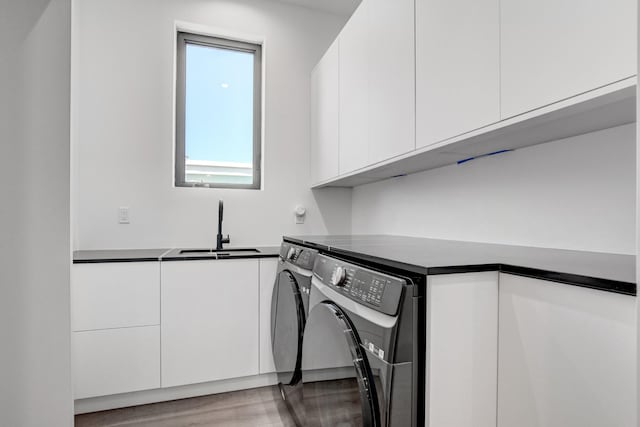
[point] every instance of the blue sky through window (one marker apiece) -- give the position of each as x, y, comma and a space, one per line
218, 104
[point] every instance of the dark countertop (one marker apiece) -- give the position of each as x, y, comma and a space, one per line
611, 272
145, 255
117, 255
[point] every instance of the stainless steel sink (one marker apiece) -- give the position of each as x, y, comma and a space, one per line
229, 251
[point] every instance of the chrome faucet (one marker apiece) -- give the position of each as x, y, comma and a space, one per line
220, 240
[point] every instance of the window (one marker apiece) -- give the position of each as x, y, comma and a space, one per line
218, 113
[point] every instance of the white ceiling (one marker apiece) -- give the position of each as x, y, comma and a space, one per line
338, 7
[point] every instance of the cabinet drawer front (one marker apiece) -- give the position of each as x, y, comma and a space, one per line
209, 321
116, 361
115, 295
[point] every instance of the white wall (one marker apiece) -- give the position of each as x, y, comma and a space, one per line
577, 193
35, 378
123, 126
637, 234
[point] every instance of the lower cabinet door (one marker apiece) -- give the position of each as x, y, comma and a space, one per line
113, 361
268, 269
462, 350
567, 356
209, 320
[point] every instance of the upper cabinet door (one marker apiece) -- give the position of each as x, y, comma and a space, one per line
354, 91
325, 116
391, 66
457, 67
555, 49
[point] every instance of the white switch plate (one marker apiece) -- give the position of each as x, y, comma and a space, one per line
123, 215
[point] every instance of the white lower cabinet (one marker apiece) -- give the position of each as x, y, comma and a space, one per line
115, 319
567, 356
268, 268
112, 361
209, 320
462, 346
544, 354
141, 326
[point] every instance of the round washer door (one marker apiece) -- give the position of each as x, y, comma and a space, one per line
287, 327
338, 387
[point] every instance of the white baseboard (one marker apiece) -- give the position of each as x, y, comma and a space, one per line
102, 403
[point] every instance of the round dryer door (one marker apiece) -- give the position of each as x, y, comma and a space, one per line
287, 326
338, 387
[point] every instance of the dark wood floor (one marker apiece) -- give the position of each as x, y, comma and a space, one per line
254, 407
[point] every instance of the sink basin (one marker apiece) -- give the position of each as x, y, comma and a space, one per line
229, 251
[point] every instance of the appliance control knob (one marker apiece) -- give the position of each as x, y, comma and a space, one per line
291, 254
338, 276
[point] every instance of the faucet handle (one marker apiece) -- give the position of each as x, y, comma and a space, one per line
226, 239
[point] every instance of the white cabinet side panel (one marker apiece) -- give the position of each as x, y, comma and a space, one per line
115, 295
115, 361
567, 356
209, 320
462, 349
457, 67
268, 268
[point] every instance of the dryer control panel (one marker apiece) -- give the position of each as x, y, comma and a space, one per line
379, 291
297, 255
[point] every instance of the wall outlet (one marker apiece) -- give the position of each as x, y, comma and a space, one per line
123, 215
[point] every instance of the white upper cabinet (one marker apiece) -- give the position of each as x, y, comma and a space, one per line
391, 67
354, 92
426, 83
324, 116
556, 49
377, 84
457, 67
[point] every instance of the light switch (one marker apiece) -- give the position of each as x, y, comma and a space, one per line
123, 215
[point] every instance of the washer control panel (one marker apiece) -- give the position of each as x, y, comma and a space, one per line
371, 288
297, 255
